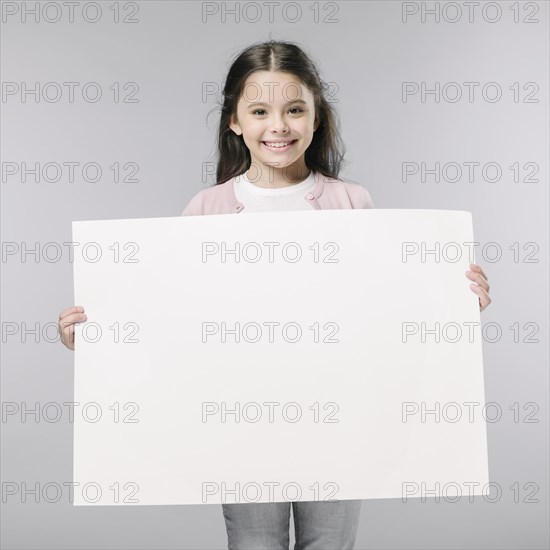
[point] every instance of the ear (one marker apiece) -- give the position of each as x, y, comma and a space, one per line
234, 125
317, 122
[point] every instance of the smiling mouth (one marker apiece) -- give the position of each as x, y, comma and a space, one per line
281, 145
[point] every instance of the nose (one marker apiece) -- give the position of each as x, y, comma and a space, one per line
279, 125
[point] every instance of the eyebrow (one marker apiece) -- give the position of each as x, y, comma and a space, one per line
267, 104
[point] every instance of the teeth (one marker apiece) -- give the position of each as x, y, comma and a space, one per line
278, 145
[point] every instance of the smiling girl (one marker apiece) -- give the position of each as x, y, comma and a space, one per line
279, 149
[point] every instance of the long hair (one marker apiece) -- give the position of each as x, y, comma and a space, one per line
326, 150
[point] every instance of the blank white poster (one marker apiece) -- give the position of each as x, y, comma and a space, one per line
279, 356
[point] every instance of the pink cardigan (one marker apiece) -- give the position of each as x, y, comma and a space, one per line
327, 194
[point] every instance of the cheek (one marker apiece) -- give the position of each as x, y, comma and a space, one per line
255, 130
304, 126
305, 130
252, 133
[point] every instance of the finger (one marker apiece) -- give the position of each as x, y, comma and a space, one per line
478, 269
64, 333
70, 310
72, 319
478, 278
68, 334
68, 328
484, 298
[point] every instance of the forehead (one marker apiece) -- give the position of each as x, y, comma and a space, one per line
274, 87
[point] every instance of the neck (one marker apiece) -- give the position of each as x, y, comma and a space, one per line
275, 178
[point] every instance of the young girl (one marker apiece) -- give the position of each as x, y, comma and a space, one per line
279, 149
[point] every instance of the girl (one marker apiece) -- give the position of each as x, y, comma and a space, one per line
279, 149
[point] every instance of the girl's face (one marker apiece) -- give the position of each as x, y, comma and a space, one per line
276, 107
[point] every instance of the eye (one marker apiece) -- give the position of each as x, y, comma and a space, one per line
263, 111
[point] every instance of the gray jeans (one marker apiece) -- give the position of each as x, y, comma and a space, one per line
322, 525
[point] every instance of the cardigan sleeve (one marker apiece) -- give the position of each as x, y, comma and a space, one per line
367, 199
359, 196
195, 205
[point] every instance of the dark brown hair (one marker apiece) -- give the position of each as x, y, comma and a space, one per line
326, 151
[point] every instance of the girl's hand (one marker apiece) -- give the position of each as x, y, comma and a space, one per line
67, 320
482, 286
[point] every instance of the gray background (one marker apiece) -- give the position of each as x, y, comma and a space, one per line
366, 52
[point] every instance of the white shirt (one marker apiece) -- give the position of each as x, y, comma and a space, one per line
261, 199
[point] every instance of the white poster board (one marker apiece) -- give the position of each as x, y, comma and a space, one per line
358, 372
